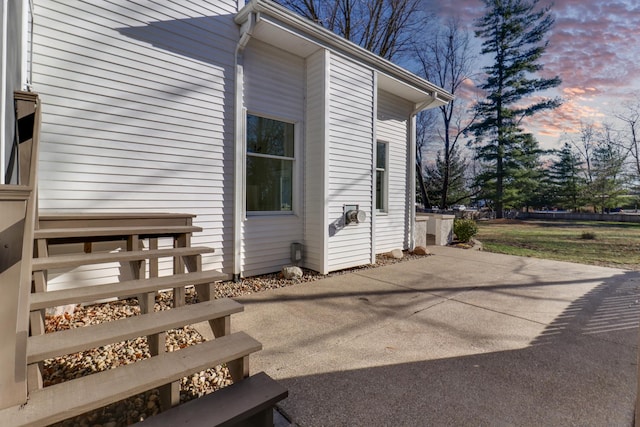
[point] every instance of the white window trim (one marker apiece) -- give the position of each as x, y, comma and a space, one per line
295, 184
384, 210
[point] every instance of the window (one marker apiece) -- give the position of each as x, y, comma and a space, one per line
381, 176
270, 156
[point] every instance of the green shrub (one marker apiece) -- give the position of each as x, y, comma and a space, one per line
464, 229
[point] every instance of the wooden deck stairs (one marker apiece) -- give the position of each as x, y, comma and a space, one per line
141, 245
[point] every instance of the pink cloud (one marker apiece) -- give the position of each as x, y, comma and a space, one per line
594, 48
575, 110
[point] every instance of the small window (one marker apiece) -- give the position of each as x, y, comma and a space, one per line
381, 177
270, 157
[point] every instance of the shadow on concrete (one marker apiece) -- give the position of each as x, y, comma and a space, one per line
581, 370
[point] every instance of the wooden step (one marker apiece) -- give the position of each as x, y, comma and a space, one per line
58, 402
130, 288
75, 260
41, 347
112, 232
229, 406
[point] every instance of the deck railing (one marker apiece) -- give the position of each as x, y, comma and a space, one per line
18, 204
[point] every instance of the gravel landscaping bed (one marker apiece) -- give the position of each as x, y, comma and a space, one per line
139, 407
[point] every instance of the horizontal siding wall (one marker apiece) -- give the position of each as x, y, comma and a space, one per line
314, 169
138, 110
274, 87
350, 144
393, 227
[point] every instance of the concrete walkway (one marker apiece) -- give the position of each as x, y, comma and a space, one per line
459, 338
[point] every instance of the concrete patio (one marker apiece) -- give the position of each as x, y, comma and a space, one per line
458, 338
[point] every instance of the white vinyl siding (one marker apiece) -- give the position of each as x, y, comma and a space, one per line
137, 110
274, 88
350, 144
315, 210
392, 226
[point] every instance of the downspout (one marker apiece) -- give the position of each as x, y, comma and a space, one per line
3, 93
374, 151
412, 168
412, 181
27, 45
246, 30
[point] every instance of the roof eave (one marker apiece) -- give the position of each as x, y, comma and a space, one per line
267, 7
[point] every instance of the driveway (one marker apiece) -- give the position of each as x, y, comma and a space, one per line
458, 338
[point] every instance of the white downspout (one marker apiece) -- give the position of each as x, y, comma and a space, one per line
374, 212
3, 93
239, 149
26, 35
412, 181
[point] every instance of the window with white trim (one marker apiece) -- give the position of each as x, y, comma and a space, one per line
381, 176
270, 158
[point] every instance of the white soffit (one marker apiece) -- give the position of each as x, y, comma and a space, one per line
408, 92
272, 32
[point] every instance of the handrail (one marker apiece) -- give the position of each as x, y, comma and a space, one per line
19, 210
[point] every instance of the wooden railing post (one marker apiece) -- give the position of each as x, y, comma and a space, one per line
15, 279
18, 204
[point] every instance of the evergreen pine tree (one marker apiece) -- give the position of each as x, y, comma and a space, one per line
524, 172
513, 33
453, 170
567, 179
609, 182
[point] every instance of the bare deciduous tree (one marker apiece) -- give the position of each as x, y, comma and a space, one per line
586, 145
385, 27
425, 123
630, 116
447, 60
603, 157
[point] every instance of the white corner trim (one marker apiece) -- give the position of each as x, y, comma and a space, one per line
239, 147
412, 181
325, 159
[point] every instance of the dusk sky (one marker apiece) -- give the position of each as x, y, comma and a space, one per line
595, 49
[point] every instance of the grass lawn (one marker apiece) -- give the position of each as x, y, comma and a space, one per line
610, 244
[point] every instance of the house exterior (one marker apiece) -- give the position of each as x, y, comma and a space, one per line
266, 126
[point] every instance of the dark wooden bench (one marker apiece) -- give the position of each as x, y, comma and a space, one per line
249, 403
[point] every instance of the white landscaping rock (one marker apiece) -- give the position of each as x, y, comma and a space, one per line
291, 272
396, 254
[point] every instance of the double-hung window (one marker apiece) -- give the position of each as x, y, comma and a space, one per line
381, 176
270, 164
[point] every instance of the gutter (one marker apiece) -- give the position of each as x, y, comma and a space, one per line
246, 30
